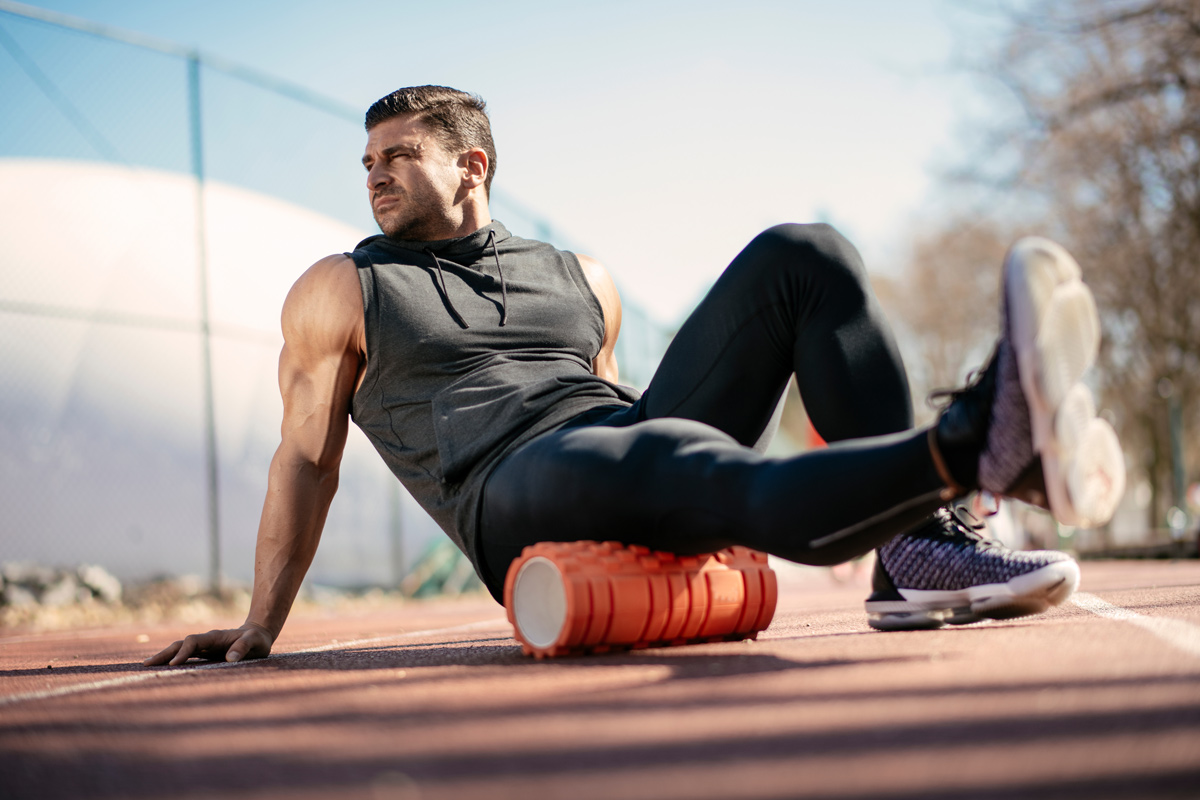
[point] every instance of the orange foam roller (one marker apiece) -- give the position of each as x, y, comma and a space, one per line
577, 597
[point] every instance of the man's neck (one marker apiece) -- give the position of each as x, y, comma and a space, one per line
471, 223
474, 216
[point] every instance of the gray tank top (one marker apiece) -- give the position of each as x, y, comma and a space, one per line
474, 346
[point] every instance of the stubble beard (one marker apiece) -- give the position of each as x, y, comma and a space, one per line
415, 218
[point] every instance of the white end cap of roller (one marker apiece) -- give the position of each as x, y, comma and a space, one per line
539, 602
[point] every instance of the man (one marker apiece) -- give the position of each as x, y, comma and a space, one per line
482, 367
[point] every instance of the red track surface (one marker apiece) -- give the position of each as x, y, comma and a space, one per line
1068, 704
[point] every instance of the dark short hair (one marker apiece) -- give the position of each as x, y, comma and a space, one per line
458, 119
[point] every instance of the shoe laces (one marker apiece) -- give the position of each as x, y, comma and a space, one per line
957, 522
940, 398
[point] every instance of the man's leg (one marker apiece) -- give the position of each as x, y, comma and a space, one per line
796, 299
680, 484
1034, 437
685, 487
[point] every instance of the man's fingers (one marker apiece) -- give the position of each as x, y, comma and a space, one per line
230, 645
163, 656
187, 648
198, 645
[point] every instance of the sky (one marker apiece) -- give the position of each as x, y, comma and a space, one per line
658, 137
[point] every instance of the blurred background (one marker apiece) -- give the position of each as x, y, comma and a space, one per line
168, 169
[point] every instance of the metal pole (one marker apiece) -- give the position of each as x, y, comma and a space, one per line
396, 530
1178, 470
210, 425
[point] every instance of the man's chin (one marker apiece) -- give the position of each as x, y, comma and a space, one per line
408, 231
393, 228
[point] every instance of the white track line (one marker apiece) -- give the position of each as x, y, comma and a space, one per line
391, 637
56, 636
138, 677
1178, 633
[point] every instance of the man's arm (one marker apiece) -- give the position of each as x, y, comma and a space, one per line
605, 363
319, 369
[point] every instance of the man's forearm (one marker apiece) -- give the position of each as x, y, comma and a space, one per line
297, 502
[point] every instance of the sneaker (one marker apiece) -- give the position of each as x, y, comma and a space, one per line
946, 572
1027, 428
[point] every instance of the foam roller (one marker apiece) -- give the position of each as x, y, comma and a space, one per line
567, 598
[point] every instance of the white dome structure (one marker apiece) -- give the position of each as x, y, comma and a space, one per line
102, 455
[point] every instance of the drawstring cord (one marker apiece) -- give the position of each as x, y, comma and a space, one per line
503, 286
442, 278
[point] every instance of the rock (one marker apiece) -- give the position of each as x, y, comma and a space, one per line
17, 596
62, 592
31, 576
191, 585
102, 584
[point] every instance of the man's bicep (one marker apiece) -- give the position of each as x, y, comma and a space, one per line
316, 407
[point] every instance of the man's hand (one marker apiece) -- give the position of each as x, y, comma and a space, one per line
248, 641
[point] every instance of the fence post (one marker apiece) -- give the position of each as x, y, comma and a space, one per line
210, 425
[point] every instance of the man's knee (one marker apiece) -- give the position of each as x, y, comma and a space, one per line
815, 251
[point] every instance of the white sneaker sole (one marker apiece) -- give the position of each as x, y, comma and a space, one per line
1031, 593
1055, 332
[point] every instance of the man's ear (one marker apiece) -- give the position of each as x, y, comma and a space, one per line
474, 164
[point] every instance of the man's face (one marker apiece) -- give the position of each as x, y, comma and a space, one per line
412, 181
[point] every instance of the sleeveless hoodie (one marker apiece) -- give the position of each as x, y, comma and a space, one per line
475, 346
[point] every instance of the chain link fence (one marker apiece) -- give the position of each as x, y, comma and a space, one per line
158, 205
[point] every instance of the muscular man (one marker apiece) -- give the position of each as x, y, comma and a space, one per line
481, 366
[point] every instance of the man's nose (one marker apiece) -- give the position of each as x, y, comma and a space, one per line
377, 177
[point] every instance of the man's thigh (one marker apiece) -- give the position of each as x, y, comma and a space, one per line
627, 484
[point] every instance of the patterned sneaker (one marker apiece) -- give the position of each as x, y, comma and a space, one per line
1028, 428
946, 572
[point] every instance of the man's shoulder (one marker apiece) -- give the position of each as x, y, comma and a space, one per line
330, 269
327, 291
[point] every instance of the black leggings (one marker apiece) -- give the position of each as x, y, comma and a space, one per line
683, 471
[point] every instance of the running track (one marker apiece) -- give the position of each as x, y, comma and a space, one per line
1097, 699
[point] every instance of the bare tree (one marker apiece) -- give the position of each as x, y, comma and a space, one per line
944, 307
1108, 155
